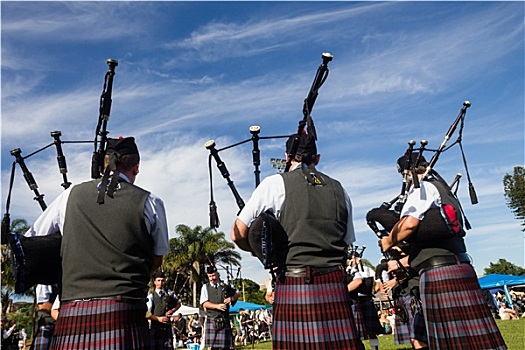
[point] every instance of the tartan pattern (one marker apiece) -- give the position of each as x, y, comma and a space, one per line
359, 321
43, 337
313, 316
371, 319
222, 339
415, 328
455, 311
160, 336
101, 324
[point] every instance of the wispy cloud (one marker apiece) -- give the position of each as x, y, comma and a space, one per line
401, 71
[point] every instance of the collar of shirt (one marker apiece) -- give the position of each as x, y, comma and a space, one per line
124, 177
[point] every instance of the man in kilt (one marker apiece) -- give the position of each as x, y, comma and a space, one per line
409, 322
363, 307
311, 303
161, 304
446, 275
113, 236
45, 297
216, 298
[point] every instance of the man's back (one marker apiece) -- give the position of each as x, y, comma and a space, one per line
115, 255
315, 218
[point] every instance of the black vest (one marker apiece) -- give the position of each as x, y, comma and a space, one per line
160, 304
216, 296
315, 219
106, 248
445, 241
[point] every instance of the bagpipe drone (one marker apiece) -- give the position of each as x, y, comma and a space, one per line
439, 223
37, 259
266, 237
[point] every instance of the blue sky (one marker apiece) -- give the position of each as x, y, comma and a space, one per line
190, 72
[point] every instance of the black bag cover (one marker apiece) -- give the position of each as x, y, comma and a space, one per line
268, 240
36, 260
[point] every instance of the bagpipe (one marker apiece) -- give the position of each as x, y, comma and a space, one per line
367, 286
266, 237
37, 260
439, 223
228, 286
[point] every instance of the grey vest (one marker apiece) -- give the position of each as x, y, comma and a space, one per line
216, 296
160, 305
106, 248
315, 219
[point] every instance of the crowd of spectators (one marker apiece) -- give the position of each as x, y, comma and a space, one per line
187, 329
512, 310
252, 326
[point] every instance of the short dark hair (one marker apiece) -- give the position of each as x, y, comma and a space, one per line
127, 162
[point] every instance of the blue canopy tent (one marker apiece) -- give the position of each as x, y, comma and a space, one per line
495, 282
246, 306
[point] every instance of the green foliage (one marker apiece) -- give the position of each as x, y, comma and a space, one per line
504, 267
190, 251
22, 313
514, 186
250, 290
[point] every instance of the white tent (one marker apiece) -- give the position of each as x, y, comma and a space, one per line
188, 311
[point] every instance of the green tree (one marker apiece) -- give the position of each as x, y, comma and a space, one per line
514, 186
190, 251
504, 267
250, 291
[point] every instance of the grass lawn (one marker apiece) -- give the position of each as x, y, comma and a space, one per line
513, 332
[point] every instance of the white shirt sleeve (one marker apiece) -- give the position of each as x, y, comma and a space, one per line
52, 219
149, 302
155, 217
268, 195
56, 304
43, 293
420, 200
204, 295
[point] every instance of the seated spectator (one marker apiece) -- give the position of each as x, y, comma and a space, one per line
385, 322
195, 329
507, 314
180, 331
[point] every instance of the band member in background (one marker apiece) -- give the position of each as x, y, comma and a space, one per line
410, 325
162, 304
45, 297
364, 310
10, 335
108, 252
446, 275
311, 304
216, 298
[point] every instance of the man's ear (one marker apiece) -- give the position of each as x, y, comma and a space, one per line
317, 157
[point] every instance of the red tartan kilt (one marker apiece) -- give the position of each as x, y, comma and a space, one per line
101, 324
314, 316
455, 311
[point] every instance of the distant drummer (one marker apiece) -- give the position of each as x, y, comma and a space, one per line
316, 214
